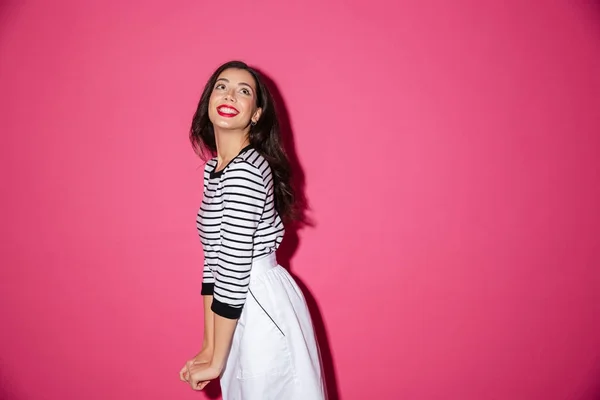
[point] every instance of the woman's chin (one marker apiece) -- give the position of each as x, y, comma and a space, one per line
230, 125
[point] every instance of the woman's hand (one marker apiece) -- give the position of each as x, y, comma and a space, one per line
201, 374
204, 357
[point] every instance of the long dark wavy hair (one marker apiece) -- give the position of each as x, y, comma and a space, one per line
265, 137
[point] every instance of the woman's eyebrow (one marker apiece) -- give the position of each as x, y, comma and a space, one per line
241, 83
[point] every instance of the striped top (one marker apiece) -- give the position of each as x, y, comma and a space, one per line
237, 222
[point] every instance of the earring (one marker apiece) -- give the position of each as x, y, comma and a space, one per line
252, 123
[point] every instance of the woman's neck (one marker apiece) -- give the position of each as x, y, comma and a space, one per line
229, 145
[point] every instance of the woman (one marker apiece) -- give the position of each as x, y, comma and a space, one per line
258, 334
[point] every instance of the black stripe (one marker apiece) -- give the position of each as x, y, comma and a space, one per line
231, 177
232, 263
229, 208
216, 292
237, 241
231, 283
235, 233
244, 194
235, 248
225, 311
252, 228
253, 220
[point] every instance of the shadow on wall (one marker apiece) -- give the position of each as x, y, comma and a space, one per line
9, 9
291, 240
593, 389
290, 245
592, 392
7, 388
593, 7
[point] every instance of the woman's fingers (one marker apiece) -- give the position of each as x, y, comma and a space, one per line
184, 374
202, 385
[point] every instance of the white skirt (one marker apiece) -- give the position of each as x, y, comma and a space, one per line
274, 354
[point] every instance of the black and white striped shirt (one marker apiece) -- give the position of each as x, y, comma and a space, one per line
237, 222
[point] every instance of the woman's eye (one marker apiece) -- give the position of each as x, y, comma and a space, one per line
220, 86
246, 91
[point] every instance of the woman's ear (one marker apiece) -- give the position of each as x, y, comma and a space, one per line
256, 115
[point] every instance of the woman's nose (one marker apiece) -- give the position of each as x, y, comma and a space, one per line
230, 95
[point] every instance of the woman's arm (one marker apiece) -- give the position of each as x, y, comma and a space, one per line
205, 356
200, 374
208, 341
244, 200
243, 204
224, 329
208, 287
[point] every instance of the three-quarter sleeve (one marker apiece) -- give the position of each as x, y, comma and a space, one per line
243, 203
208, 280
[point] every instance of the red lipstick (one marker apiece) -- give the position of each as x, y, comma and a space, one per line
227, 111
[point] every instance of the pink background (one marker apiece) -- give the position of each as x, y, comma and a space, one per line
450, 152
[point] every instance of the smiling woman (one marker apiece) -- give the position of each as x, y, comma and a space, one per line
221, 104
258, 334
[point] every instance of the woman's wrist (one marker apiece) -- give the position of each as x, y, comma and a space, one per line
207, 344
205, 354
216, 366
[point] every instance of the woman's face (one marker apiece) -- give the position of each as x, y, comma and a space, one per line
232, 103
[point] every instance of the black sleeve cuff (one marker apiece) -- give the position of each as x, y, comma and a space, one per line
207, 289
225, 311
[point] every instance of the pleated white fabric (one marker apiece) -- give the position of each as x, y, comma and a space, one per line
274, 354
